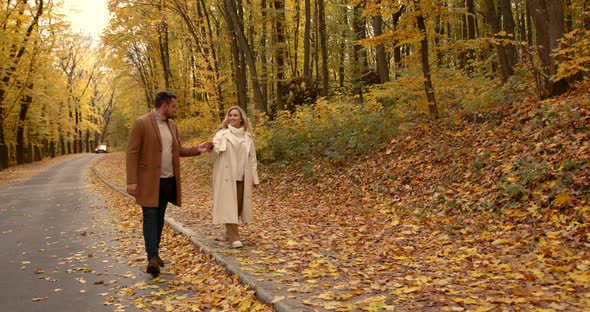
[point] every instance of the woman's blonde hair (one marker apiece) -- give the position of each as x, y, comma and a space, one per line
245, 122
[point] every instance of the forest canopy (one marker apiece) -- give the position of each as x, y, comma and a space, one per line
293, 65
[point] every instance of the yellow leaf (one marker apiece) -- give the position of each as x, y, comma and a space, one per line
127, 291
442, 282
467, 300
277, 299
562, 198
327, 296
332, 305
506, 267
560, 269
582, 278
476, 274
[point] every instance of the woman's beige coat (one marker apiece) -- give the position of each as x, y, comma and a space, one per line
225, 206
144, 159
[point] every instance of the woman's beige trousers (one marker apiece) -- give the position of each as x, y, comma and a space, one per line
231, 229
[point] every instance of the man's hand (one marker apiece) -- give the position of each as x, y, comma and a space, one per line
205, 147
132, 189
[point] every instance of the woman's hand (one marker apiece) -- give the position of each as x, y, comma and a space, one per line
205, 147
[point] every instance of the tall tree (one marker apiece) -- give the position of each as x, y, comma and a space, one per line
548, 17
397, 49
382, 63
307, 45
360, 66
74, 55
280, 51
469, 56
15, 52
506, 70
509, 27
231, 16
323, 47
198, 24
428, 87
163, 44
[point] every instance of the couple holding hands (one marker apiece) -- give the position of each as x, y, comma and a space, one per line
153, 171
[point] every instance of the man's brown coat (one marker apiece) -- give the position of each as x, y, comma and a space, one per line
144, 158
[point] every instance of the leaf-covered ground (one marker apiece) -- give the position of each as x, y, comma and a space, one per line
191, 280
479, 212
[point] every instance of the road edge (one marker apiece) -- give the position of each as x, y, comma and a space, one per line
264, 295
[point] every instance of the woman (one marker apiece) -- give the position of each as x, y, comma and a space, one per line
234, 173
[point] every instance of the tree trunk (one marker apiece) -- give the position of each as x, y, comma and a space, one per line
78, 143
509, 26
492, 16
324, 48
549, 25
163, 46
469, 57
342, 53
359, 56
20, 130
62, 144
239, 68
262, 54
106, 117
428, 87
522, 24
529, 26
279, 55
52, 149
342, 56
381, 63
38, 152
239, 75
237, 26
439, 37
307, 46
397, 51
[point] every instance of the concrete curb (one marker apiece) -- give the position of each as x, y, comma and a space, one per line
264, 295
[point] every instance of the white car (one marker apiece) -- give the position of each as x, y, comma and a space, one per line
100, 149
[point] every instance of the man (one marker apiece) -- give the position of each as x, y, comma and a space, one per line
153, 170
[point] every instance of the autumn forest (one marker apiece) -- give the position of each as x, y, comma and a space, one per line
63, 92
413, 154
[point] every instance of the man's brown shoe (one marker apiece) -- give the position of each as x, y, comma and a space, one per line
153, 267
160, 261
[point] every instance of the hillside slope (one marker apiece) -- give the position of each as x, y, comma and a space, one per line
478, 211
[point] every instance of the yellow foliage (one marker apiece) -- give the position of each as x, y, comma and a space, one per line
572, 56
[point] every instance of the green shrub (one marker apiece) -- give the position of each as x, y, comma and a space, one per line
570, 165
331, 129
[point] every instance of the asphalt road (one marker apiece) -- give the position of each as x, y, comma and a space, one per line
56, 249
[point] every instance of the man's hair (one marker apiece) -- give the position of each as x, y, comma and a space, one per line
164, 97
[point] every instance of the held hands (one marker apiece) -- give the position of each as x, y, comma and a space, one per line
205, 147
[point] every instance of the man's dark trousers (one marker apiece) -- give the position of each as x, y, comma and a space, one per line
153, 217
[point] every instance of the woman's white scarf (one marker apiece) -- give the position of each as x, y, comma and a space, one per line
236, 131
